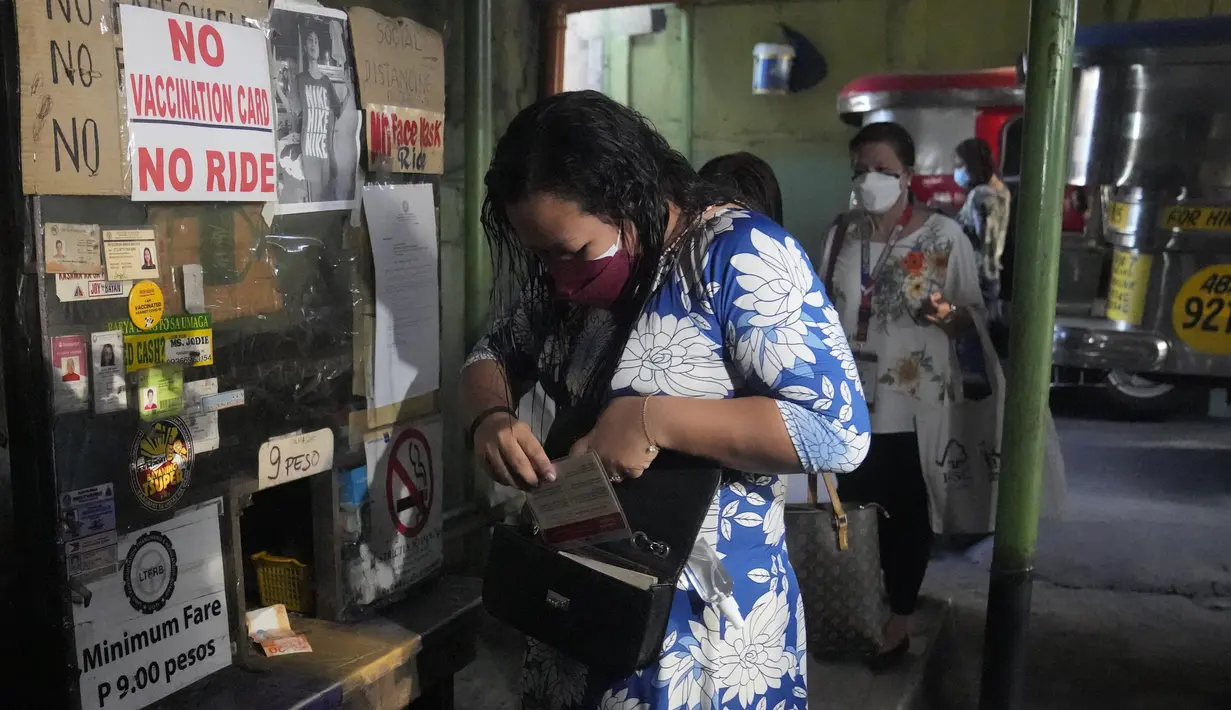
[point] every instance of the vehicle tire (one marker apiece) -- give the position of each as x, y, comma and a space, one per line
1129, 396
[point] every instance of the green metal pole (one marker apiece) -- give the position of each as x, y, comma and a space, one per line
1049, 78
686, 41
478, 273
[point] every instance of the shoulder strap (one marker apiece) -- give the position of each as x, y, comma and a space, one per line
565, 431
841, 224
839, 513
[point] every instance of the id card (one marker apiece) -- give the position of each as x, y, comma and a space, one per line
866, 362
580, 507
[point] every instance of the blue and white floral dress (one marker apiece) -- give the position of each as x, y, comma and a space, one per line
742, 313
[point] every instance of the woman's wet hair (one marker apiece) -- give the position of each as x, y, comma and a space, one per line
750, 178
893, 135
977, 155
586, 148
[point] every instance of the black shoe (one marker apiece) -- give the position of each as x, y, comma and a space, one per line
881, 662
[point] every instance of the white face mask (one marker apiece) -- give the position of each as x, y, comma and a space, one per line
877, 192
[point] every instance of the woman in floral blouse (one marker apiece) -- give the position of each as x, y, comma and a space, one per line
735, 354
904, 281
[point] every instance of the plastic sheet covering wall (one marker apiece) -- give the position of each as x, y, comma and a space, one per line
281, 298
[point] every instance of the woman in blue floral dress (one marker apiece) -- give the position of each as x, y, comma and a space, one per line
733, 353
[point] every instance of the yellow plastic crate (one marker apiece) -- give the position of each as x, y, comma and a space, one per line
284, 580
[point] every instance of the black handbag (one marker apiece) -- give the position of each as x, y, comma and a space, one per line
591, 617
585, 614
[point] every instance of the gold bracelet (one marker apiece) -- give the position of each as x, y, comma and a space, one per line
645, 427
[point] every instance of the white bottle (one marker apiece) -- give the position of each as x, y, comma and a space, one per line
710, 578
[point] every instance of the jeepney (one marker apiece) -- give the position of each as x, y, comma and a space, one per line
943, 109
1151, 142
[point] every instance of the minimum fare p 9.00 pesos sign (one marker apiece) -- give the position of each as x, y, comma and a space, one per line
159, 622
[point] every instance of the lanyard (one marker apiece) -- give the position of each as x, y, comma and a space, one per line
868, 276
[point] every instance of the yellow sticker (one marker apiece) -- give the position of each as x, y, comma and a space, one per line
1117, 216
1130, 279
1200, 219
145, 305
1201, 314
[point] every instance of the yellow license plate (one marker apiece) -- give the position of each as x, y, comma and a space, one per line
1201, 312
1117, 216
1201, 219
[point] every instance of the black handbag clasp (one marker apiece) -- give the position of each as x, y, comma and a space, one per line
654, 547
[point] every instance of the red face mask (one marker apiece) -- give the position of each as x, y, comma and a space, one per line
595, 283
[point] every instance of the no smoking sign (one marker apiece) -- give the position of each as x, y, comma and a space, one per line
403, 469
409, 482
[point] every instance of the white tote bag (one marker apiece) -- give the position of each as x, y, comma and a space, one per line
959, 449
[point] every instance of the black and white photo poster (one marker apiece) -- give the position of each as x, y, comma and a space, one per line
317, 116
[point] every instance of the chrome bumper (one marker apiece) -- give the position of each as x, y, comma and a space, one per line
1094, 344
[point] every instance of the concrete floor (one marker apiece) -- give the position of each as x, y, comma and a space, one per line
1133, 607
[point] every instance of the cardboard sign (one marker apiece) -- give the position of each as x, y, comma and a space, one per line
289, 458
70, 98
235, 12
400, 62
200, 120
405, 140
228, 241
159, 622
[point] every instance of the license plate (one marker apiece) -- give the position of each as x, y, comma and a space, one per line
1201, 312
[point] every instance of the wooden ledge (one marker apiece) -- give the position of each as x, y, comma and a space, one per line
410, 649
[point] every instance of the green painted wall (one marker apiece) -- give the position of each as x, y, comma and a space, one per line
800, 135
658, 79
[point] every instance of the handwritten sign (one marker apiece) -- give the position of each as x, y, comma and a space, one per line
400, 62
235, 12
290, 458
70, 98
200, 120
405, 140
